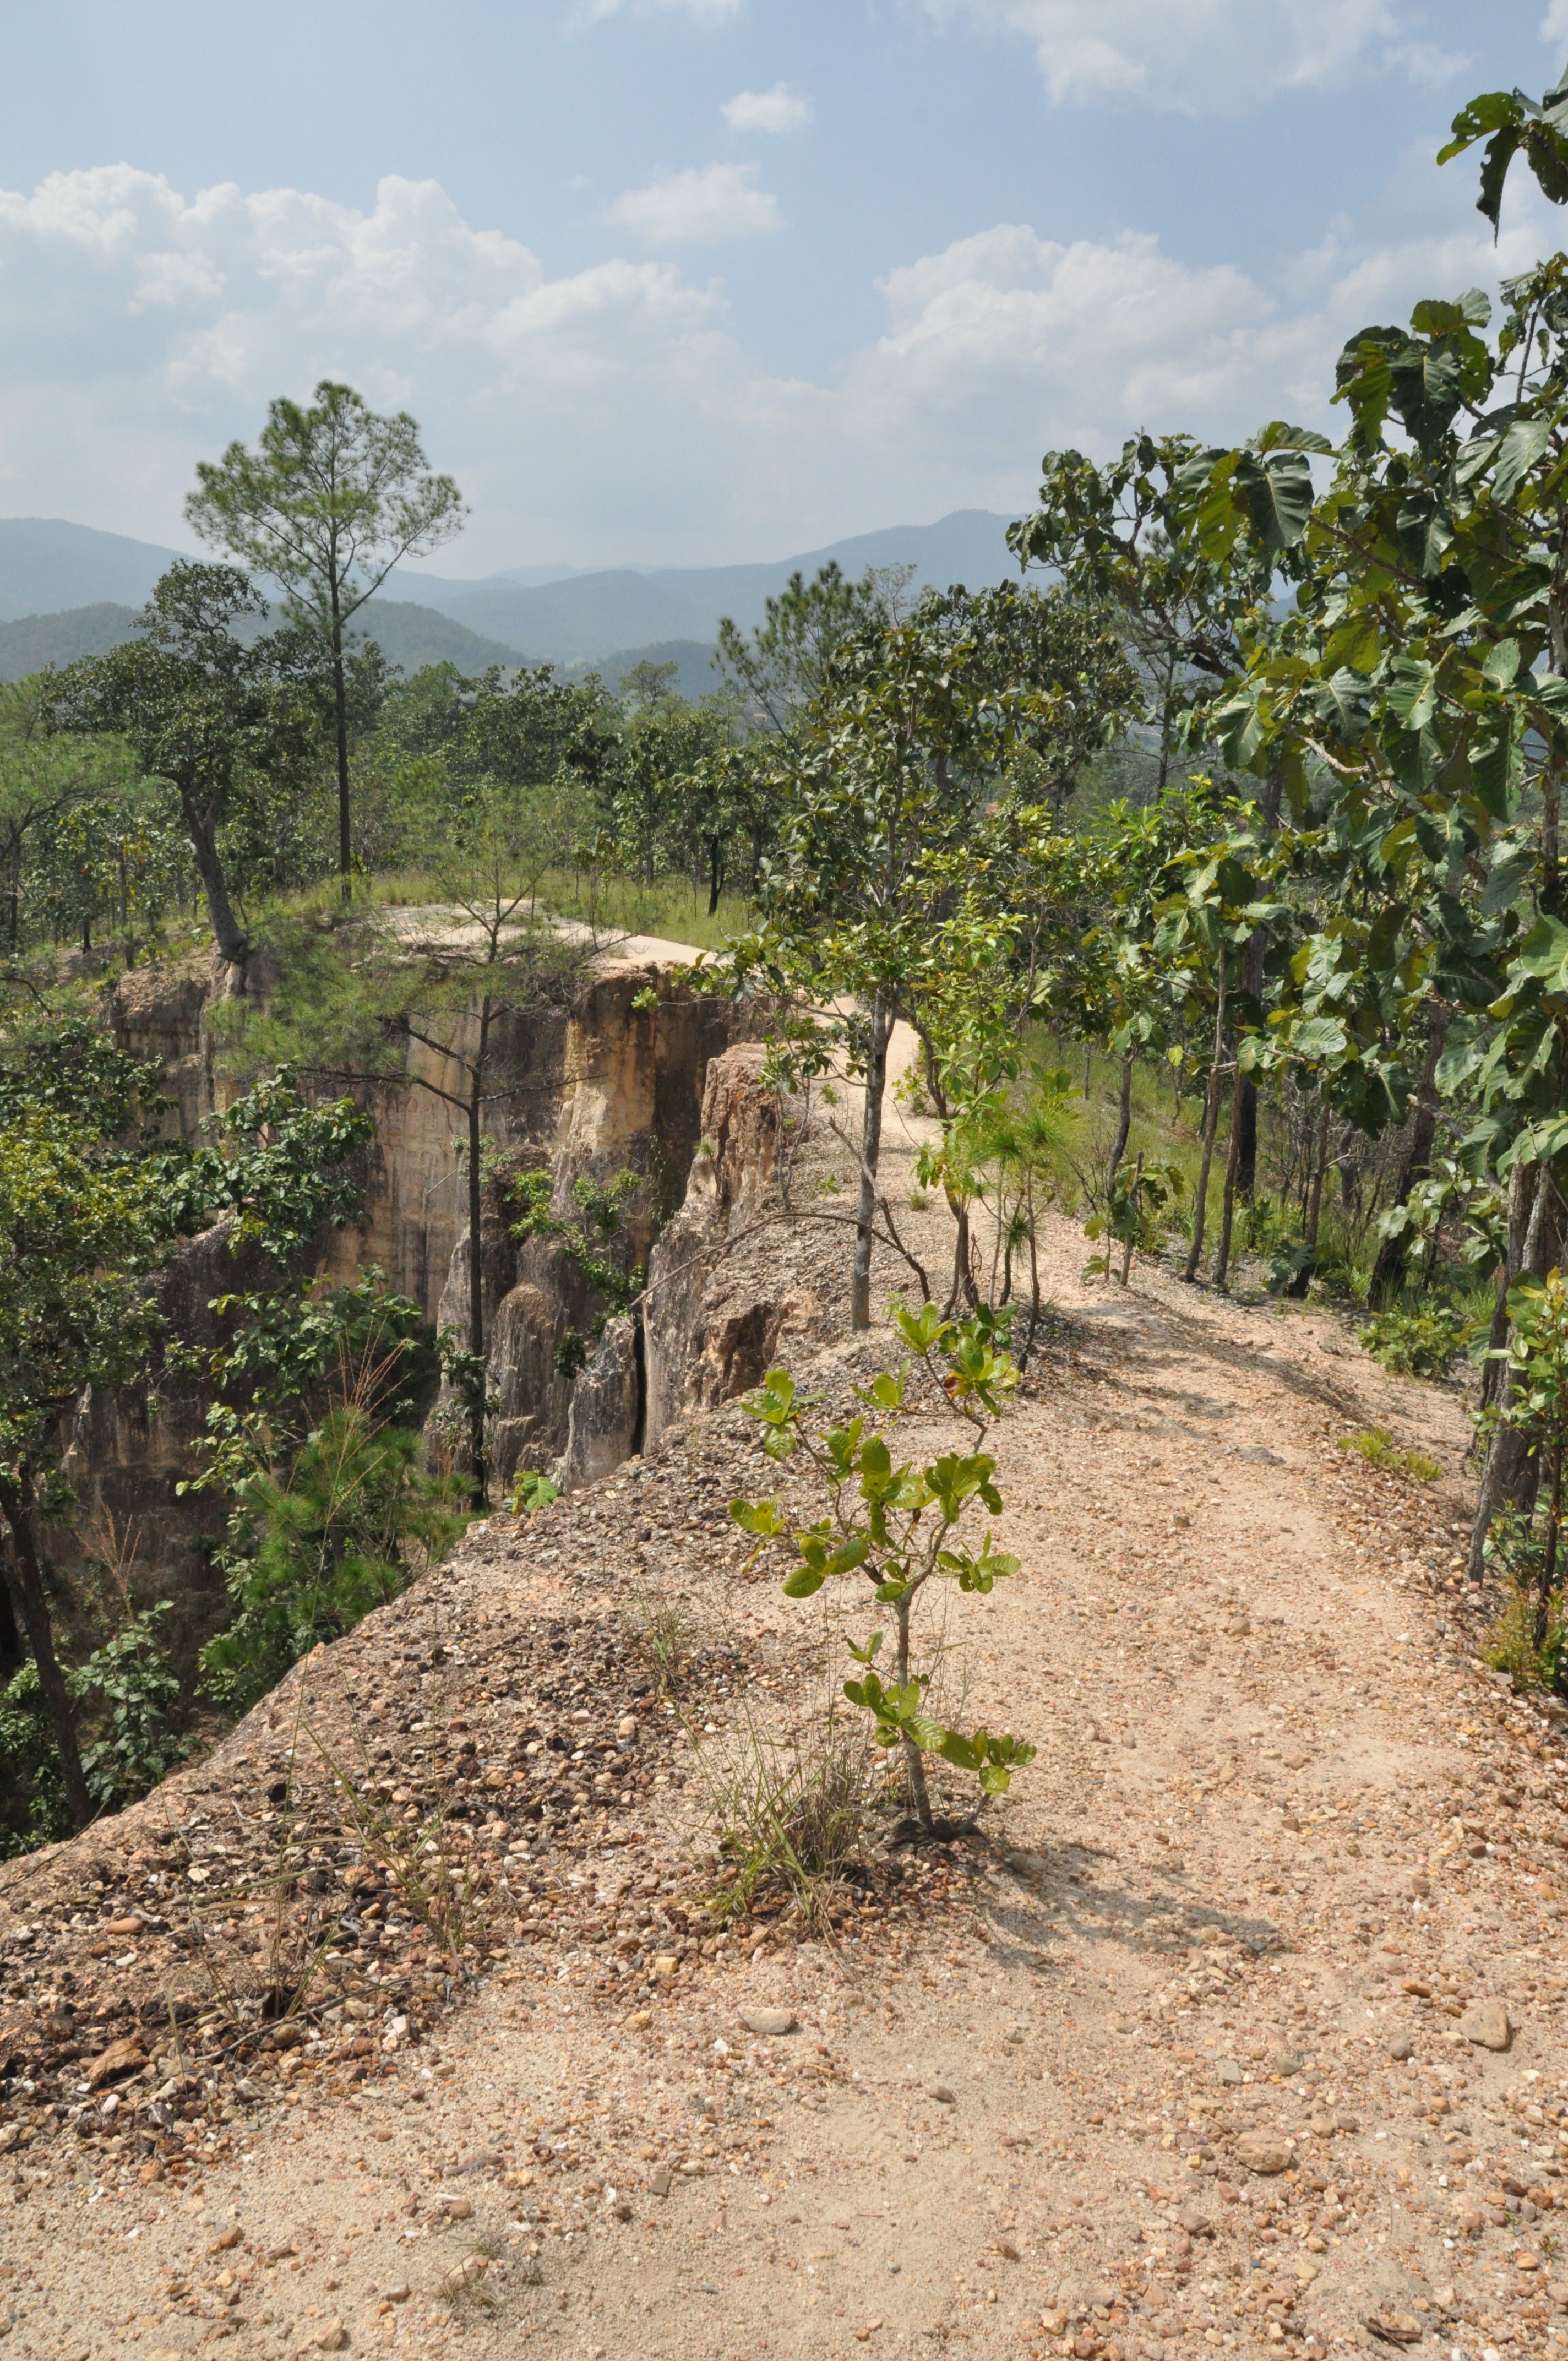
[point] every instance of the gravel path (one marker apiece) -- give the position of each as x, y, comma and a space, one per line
1197, 2047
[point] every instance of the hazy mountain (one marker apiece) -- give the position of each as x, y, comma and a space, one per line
52, 573
46, 565
583, 616
410, 636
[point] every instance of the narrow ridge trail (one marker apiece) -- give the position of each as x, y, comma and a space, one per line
1239, 2027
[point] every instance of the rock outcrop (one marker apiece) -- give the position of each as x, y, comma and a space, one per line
605, 1423
614, 1083
720, 1300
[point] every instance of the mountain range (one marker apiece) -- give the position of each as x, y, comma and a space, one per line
69, 590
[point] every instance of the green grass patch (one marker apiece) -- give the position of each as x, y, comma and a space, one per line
1378, 1448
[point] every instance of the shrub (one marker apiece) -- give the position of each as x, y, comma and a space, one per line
899, 1528
1414, 1343
310, 1553
793, 1815
127, 1693
1533, 1648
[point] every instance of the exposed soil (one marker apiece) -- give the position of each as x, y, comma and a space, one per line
1179, 2053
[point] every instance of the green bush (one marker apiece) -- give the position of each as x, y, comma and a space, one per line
1415, 1344
310, 1553
1377, 1447
1515, 1551
127, 1693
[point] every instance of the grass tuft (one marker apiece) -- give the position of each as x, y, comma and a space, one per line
1378, 1448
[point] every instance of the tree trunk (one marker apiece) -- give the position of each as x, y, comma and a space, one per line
1549, 1563
1123, 1117
340, 721
963, 1289
1393, 1255
1200, 1202
1127, 1241
227, 932
1512, 1473
479, 1473
1227, 1214
919, 1794
1034, 1276
1494, 1372
1210, 1121
12, 1655
871, 1152
1246, 1116
24, 1580
714, 873
1299, 1285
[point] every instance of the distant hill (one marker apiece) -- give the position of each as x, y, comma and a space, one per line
55, 573
410, 636
31, 642
693, 659
46, 565
415, 636
589, 617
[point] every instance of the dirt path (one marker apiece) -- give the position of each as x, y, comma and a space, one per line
1177, 2059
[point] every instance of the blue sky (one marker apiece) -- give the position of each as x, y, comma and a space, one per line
686, 280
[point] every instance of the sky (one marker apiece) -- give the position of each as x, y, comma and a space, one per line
701, 281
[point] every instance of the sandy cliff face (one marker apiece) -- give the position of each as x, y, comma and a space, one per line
631, 1078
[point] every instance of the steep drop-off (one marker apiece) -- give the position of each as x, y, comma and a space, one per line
639, 1075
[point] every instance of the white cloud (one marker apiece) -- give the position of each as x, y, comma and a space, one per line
696, 208
611, 414
1008, 342
779, 109
1203, 56
1554, 24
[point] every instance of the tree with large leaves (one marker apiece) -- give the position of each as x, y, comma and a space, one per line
1415, 702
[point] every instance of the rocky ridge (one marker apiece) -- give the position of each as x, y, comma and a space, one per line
1240, 2027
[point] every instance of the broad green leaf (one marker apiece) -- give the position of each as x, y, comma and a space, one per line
953, 1747
761, 1517
1507, 884
1522, 445
804, 1583
1436, 317
1278, 495
1494, 766
1277, 436
1413, 692
1319, 1038
1544, 950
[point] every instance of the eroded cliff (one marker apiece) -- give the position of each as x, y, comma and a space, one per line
638, 1076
